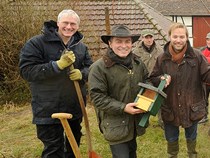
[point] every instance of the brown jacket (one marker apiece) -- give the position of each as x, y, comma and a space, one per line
185, 102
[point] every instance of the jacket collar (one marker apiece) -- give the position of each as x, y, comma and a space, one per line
109, 63
188, 54
50, 32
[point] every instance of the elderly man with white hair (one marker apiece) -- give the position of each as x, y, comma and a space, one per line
45, 62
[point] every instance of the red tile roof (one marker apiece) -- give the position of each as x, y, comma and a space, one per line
181, 7
135, 14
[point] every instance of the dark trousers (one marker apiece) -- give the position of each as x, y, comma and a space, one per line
124, 150
56, 144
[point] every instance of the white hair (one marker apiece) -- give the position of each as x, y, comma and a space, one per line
68, 12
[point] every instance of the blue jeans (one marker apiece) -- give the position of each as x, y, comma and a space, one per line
124, 150
172, 132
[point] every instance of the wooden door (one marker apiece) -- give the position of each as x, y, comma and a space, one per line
201, 26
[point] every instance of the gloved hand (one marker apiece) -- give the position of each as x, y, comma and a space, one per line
66, 60
75, 74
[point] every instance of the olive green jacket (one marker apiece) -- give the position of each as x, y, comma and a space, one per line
149, 59
111, 87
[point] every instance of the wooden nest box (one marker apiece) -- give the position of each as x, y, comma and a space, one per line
150, 99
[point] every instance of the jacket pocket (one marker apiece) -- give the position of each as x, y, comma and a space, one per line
198, 111
167, 114
115, 128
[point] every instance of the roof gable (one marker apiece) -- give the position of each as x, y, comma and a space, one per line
133, 13
137, 16
181, 7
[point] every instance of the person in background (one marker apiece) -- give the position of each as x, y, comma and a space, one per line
148, 50
44, 62
206, 52
185, 104
113, 85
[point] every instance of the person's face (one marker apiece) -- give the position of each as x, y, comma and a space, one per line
67, 26
148, 40
121, 45
178, 39
208, 42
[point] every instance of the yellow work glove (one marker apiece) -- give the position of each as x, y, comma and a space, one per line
75, 74
66, 60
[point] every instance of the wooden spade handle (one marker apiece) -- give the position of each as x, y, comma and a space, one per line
63, 118
91, 153
82, 105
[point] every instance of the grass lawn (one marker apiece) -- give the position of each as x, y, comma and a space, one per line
18, 137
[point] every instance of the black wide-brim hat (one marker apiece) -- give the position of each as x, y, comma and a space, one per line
120, 31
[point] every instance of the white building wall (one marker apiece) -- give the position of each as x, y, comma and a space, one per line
188, 23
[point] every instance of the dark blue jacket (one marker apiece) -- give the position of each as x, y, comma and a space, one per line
52, 90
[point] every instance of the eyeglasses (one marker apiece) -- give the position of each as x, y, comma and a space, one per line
69, 23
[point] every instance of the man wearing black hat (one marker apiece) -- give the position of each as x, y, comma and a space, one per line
113, 85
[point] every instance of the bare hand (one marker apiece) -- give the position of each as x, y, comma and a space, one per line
167, 78
130, 108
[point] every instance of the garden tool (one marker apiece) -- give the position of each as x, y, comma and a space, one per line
91, 153
63, 118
